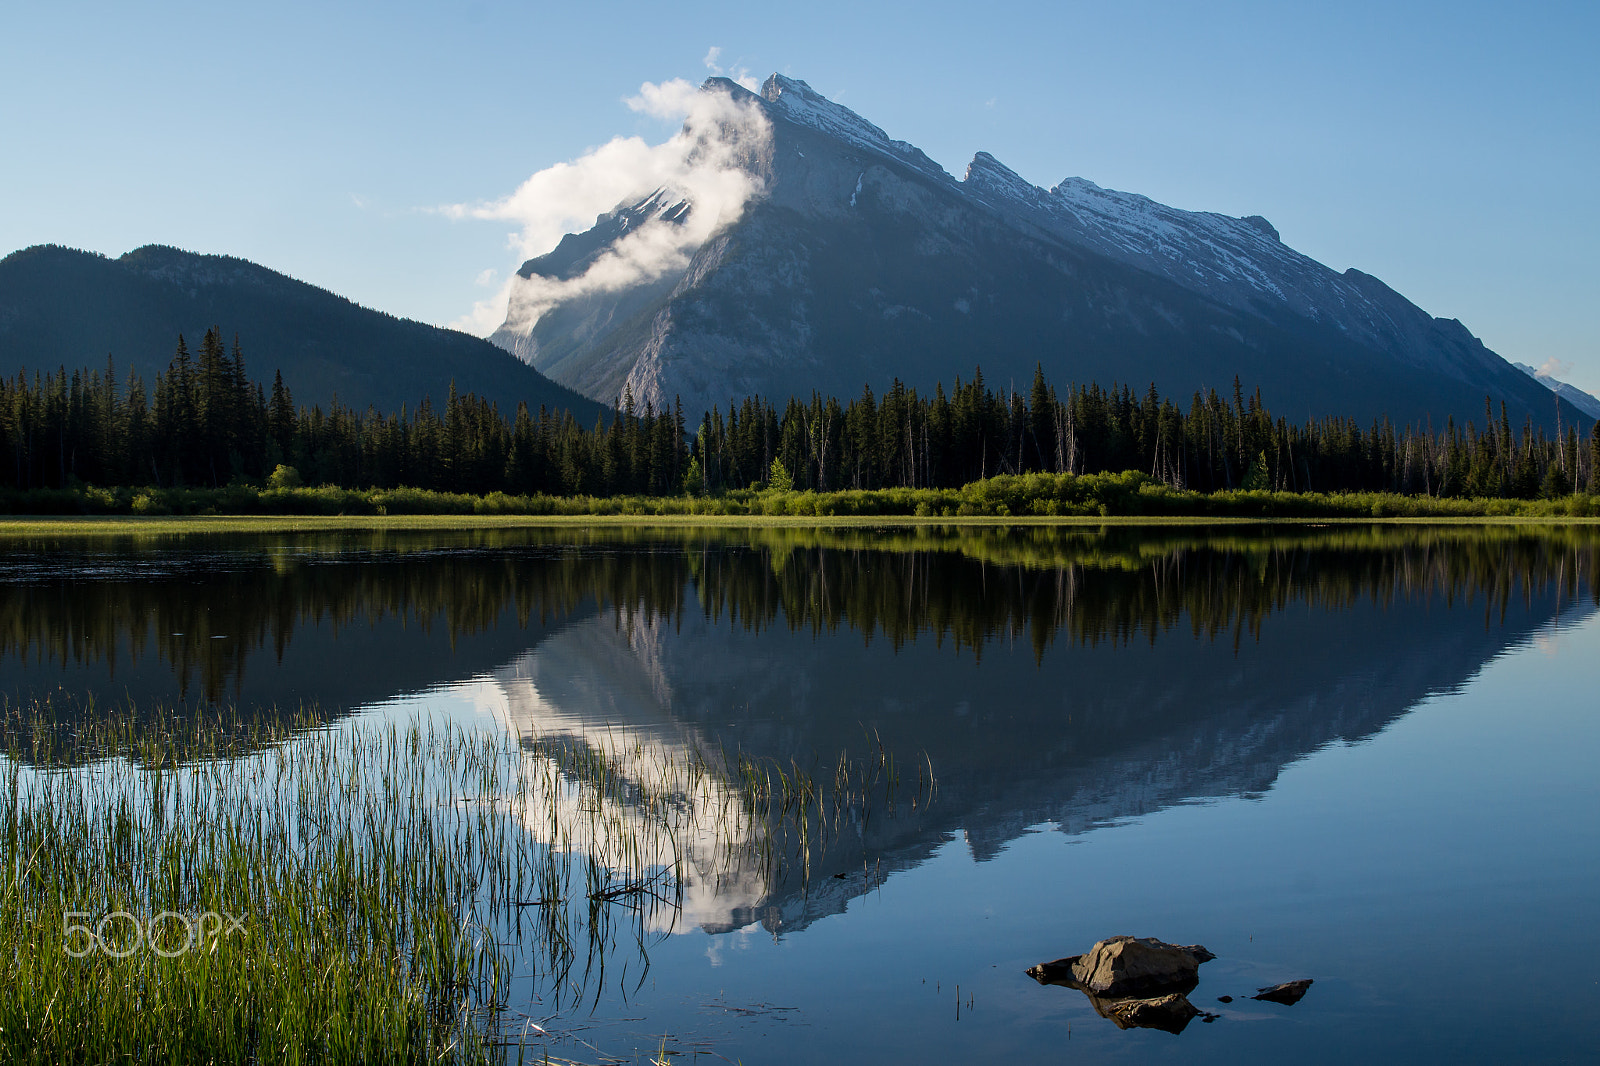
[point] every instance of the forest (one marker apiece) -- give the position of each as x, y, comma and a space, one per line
204, 422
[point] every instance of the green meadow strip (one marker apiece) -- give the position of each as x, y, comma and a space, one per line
1026, 497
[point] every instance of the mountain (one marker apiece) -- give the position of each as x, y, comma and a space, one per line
859, 260
62, 307
1583, 401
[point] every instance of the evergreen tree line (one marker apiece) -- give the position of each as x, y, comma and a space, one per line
906, 440
205, 423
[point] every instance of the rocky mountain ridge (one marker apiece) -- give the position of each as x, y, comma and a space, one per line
860, 260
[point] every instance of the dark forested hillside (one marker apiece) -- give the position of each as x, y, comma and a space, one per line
65, 308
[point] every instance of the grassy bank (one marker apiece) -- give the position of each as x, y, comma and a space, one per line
179, 903
1030, 497
208, 889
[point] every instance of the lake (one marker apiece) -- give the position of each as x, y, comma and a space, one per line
1364, 755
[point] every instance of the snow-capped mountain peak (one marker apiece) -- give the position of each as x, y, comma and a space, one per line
857, 258
798, 102
987, 175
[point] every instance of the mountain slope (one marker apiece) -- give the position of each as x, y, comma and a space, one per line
1583, 401
861, 260
61, 307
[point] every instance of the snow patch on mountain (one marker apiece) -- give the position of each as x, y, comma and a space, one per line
1238, 262
1240, 258
1214, 249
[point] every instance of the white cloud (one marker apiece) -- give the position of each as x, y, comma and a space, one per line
710, 61
1555, 368
669, 99
486, 315
701, 163
486, 277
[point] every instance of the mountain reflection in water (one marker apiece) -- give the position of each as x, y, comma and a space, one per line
1070, 677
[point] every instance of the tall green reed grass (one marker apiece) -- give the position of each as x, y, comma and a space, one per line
375, 891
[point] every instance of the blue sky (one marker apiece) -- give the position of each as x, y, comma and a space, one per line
1449, 149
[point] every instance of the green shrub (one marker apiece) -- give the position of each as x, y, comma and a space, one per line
149, 502
284, 477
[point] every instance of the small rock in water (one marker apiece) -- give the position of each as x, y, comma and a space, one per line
1127, 966
1138, 983
1169, 1013
1289, 993
1224, 999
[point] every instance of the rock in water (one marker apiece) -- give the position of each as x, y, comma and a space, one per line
1138, 983
1170, 1013
1058, 972
1289, 993
1127, 966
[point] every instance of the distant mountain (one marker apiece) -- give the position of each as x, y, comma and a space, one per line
1583, 401
860, 260
62, 307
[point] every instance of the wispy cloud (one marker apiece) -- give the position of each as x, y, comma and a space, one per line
1555, 368
701, 164
740, 73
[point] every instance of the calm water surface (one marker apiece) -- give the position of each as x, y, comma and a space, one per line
1361, 755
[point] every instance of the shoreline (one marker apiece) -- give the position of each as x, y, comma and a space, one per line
112, 525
